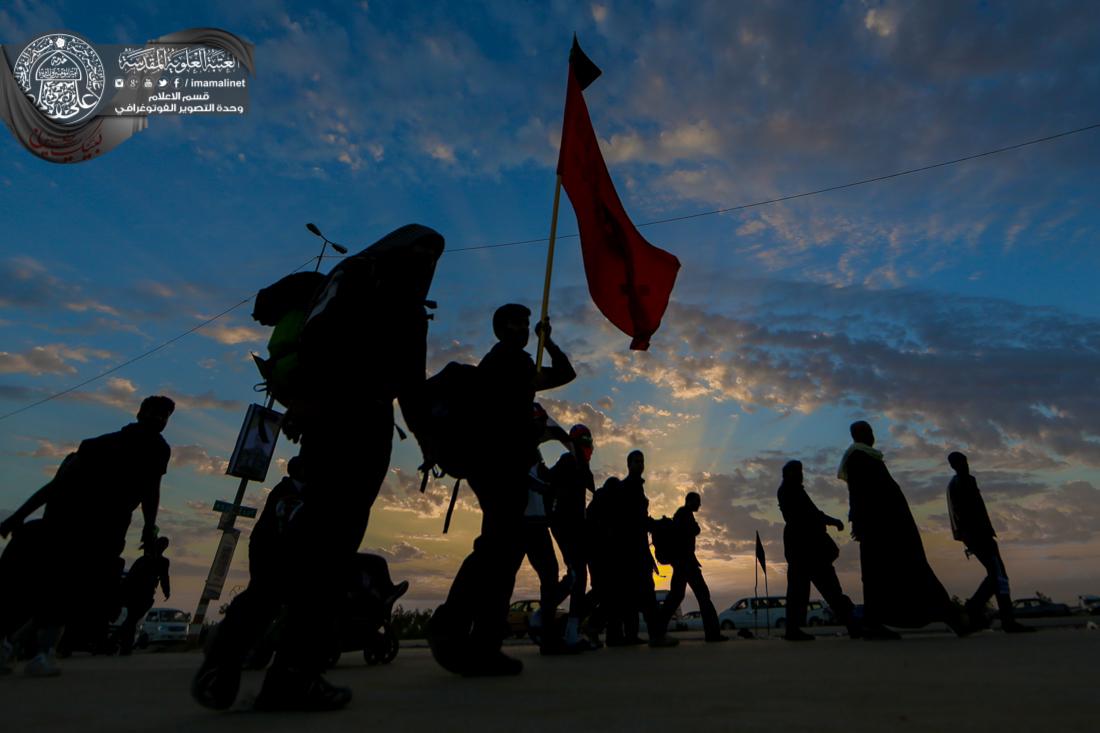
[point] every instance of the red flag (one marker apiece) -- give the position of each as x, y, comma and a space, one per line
629, 279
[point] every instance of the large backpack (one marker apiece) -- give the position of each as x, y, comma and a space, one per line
444, 416
665, 540
284, 305
363, 331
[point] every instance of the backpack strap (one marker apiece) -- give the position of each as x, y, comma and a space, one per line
451, 507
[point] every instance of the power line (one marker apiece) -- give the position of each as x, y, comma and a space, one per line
139, 357
740, 207
804, 194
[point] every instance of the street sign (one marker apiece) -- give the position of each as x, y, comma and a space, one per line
248, 512
215, 581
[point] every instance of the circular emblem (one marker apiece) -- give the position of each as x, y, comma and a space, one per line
63, 75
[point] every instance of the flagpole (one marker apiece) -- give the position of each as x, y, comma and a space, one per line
768, 608
755, 591
549, 272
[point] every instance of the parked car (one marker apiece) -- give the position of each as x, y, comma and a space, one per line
755, 613
818, 614
690, 621
519, 616
163, 626
1038, 608
1090, 604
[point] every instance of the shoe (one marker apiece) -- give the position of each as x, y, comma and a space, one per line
43, 665
716, 638
215, 686
794, 634
493, 664
287, 688
449, 650
663, 642
1015, 627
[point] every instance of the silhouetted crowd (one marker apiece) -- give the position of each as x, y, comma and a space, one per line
481, 424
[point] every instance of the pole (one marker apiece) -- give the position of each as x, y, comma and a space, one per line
755, 590
768, 608
226, 524
549, 271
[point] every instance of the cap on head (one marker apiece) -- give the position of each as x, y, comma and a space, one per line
580, 434
507, 314
792, 471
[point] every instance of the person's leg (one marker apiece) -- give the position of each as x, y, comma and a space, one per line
677, 587
246, 620
825, 580
539, 549
571, 542
346, 458
798, 594
994, 585
136, 608
699, 587
646, 602
994, 579
467, 631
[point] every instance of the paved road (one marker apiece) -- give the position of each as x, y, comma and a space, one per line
927, 682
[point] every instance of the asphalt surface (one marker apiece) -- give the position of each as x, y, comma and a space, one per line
926, 682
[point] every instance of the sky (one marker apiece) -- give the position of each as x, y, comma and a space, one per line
954, 309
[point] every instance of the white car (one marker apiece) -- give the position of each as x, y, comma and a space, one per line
163, 626
691, 621
755, 613
818, 614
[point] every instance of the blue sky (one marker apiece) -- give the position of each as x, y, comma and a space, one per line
954, 309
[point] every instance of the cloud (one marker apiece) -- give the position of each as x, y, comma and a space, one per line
231, 335
29, 284
1069, 514
48, 359
117, 392
644, 426
918, 358
881, 21
85, 306
196, 458
399, 552
205, 401
123, 394
48, 449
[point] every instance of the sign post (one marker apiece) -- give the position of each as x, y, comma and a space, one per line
250, 461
